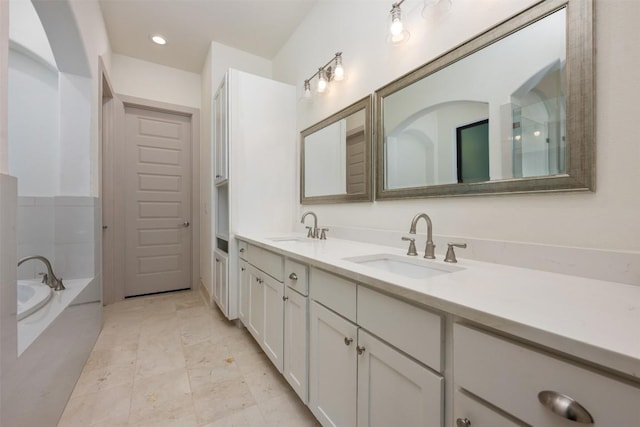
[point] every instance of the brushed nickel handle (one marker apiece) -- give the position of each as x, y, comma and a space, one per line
293, 276
451, 255
565, 407
284, 298
412, 246
348, 341
463, 422
241, 250
360, 350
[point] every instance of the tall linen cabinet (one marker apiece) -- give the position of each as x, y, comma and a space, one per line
254, 160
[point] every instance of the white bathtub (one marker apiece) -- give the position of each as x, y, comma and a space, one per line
32, 295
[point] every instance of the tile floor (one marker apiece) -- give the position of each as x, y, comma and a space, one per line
171, 360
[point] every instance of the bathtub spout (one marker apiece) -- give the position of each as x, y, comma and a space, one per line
51, 279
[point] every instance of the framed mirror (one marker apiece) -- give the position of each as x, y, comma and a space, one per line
335, 160
509, 111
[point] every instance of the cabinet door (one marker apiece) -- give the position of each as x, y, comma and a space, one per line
256, 304
394, 389
332, 368
221, 290
478, 415
244, 294
273, 337
296, 344
220, 133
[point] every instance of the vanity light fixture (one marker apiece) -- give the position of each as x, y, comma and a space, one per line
397, 32
158, 39
332, 70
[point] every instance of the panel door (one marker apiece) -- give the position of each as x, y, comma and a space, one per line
157, 201
273, 339
243, 292
255, 325
296, 342
394, 390
332, 367
221, 283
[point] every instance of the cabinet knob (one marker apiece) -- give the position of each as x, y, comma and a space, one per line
284, 298
242, 269
463, 422
348, 341
241, 250
293, 276
360, 350
565, 407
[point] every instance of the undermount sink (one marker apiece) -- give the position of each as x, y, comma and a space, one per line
291, 239
415, 268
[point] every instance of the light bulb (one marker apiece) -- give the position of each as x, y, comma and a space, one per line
322, 81
396, 27
158, 39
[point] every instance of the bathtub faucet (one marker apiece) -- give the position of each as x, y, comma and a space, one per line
50, 278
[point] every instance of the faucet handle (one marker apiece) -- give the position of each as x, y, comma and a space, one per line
451, 255
310, 232
323, 233
412, 246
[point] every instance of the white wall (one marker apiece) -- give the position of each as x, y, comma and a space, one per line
605, 219
143, 79
224, 57
29, 36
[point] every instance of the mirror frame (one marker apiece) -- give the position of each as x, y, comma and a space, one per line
580, 72
365, 104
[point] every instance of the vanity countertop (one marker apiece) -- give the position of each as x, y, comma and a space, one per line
593, 320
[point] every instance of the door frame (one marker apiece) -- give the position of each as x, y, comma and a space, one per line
112, 173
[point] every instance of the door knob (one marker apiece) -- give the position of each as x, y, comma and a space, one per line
186, 224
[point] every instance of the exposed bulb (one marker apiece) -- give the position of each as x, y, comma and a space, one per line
397, 31
322, 81
396, 27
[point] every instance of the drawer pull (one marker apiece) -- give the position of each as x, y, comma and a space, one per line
360, 350
348, 341
293, 276
463, 422
565, 407
241, 250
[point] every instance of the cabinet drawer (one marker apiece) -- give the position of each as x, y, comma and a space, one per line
242, 249
269, 262
334, 292
413, 330
477, 413
511, 376
296, 276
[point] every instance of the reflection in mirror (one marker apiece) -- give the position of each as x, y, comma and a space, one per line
336, 157
492, 115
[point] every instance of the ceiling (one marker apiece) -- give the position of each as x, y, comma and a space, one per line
260, 27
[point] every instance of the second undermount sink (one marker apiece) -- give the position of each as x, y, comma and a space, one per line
291, 239
415, 268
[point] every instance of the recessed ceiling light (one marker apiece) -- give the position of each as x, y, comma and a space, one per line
158, 39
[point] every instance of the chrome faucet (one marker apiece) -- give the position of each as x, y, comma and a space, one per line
429, 251
312, 231
50, 279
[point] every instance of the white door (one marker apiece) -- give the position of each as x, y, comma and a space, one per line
255, 325
273, 340
157, 201
296, 343
221, 282
221, 139
243, 290
394, 390
332, 368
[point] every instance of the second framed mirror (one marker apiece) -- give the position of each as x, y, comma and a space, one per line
335, 159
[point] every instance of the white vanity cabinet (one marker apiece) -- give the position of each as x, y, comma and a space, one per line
356, 378
511, 377
262, 301
296, 328
243, 291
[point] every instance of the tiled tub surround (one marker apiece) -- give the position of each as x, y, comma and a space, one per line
592, 320
63, 229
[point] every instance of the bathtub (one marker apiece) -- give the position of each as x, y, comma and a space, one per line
32, 295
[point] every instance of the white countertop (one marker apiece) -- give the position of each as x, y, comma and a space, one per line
593, 320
